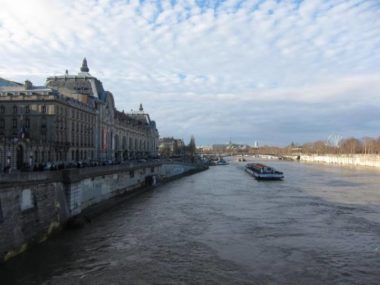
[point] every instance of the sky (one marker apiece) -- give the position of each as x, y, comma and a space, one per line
275, 72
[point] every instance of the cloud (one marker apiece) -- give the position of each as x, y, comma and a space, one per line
215, 69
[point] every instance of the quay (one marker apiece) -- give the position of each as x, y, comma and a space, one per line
349, 160
34, 205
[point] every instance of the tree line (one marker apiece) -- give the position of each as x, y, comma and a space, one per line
366, 145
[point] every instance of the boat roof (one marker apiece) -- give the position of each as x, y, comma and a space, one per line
257, 165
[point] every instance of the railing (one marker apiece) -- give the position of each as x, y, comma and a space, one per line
70, 174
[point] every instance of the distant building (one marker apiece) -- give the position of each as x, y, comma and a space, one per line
204, 148
218, 148
230, 147
71, 118
170, 146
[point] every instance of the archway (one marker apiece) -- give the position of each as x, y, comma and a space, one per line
125, 155
117, 148
19, 156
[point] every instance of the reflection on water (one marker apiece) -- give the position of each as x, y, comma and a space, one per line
321, 225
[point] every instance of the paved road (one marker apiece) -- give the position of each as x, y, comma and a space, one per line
319, 226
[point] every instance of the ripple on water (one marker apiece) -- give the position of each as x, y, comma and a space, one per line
320, 225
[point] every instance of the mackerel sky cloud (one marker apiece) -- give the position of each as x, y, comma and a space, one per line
271, 71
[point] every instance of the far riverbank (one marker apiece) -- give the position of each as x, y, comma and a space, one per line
367, 160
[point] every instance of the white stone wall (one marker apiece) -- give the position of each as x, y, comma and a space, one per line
350, 160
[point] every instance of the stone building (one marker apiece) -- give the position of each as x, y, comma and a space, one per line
170, 146
71, 118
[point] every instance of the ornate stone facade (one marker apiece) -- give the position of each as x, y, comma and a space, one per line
171, 147
71, 118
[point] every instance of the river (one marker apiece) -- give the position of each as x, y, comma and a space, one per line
321, 225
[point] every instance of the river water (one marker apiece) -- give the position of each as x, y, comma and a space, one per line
321, 225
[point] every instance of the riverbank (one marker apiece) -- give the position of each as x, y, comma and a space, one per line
168, 172
366, 160
33, 207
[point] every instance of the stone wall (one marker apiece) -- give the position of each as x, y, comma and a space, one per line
33, 206
29, 213
172, 169
85, 192
349, 160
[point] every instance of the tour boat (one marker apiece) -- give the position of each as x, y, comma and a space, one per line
263, 172
221, 161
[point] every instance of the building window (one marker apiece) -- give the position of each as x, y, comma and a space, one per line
43, 129
14, 109
27, 123
2, 124
2, 109
14, 123
27, 109
44, 109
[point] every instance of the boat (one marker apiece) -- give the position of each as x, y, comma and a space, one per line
263, 172
221, 161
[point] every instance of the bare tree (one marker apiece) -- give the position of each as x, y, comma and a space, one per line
351, 146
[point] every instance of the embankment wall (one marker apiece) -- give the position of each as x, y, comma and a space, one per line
34, 205
344, 160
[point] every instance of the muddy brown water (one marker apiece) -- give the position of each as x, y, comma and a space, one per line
321, 225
